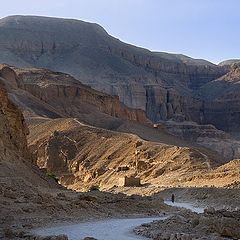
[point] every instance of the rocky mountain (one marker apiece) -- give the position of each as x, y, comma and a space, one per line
221, 101
50, 94
229, 62
159, 83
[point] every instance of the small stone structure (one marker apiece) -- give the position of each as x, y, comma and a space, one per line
122, 168
129, 182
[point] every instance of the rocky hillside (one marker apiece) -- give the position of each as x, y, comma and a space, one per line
29, 198
55, 102
221, 104
159, 83
83, 156
19, 178
44, 93
205, 135
13, 127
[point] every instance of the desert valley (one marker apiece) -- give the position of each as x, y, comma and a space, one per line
94, 129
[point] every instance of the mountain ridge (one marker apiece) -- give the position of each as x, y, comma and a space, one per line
165, 86
103, 62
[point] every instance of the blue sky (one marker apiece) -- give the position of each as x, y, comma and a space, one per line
208, 29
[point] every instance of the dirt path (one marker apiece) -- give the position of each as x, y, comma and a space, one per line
118, 229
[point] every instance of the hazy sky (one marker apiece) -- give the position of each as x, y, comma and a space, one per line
208, 29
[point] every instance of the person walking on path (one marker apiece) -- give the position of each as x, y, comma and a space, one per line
173, 198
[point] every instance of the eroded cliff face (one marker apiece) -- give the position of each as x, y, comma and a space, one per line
97, 59
169, 69
207, 136
22, 183
222, 100
216, 103
13, 129
70, 97
166, 103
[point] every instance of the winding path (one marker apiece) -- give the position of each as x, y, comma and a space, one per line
185, 205
108, 229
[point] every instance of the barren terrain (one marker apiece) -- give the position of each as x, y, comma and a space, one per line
167, 122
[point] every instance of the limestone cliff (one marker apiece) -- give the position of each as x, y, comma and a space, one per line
22, 182
60, 95
69, 97
221, 101
13, 129
206, 135
137, 76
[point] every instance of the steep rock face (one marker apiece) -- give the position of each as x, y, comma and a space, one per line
167, 103
22, 183
170, 69
9, 75
222, 101
70, 97
59, 151
13, 129
88, 53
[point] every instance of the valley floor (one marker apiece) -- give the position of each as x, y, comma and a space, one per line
20, 214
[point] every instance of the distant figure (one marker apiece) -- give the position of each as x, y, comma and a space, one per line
173, 198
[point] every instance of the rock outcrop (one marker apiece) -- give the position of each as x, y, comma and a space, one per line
70, 98
221, 101
207, 136
211, 225
13, 129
